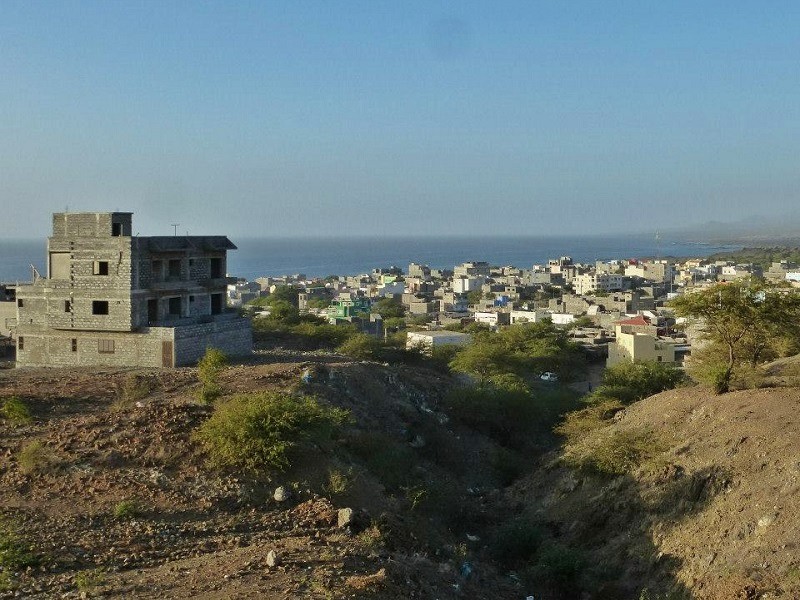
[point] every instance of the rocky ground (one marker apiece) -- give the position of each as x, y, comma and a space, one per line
121, 503
118, 500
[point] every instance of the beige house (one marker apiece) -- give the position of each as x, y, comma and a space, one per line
633, 346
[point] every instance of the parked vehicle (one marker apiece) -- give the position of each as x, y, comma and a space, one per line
548, 376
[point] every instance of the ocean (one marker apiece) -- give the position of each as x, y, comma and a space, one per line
319, 257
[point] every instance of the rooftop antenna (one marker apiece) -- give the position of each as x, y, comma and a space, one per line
175, 228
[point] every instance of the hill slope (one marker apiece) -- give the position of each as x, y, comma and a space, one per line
716, 515
118, 499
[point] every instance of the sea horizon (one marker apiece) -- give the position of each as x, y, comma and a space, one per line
351, 255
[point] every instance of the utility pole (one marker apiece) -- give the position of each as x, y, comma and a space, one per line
175, 228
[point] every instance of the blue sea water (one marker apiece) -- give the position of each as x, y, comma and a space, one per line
319, 257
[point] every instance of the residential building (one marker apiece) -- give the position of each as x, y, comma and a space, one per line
472, 269
639, 347
111, 298
597, 282
492, 318
426, 341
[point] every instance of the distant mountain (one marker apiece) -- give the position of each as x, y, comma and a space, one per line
757, 229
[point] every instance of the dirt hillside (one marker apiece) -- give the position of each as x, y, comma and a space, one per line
715, 515
119, 501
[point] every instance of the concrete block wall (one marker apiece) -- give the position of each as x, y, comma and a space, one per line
89, 224
234, 337
55, 348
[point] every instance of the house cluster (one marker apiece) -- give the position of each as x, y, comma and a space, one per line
111, 298
615, 309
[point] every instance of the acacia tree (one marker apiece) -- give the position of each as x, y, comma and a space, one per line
743, 317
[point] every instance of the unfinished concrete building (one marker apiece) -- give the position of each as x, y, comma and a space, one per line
114, 299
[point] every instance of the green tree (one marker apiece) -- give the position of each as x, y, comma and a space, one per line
522, 349
474, 297
388, 308
361, 346
285, 293
283, 311
742, 317
319, 303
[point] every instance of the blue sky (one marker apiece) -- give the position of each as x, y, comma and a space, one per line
331, 118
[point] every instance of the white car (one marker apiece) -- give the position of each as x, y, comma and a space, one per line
548, 376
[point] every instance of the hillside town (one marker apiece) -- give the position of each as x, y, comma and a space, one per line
616, 310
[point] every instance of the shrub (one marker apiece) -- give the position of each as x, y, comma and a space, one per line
578, 424
324, 334
516, 541
208, 370
392, 463
338, 482
508, 466
15, 412
34, 456
505, 409
88, 581
15, 552
361, 346
615, 453
132, 389
557, 565
442, 356
256, 432
629, 382
126, 509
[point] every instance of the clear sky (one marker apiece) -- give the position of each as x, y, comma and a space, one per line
386, 117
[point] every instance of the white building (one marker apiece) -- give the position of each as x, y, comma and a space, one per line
462, 285
428, 340
598, 282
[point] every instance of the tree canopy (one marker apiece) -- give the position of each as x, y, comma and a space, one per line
388, 308
745, 318
522, 349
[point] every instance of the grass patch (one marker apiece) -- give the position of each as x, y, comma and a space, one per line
371, 538
15, 412
338, 482
35, 457
259, 432
127, 509
15, 552
89, 580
